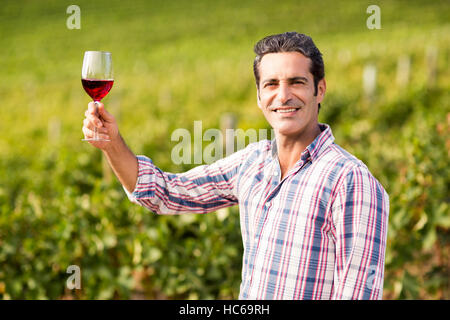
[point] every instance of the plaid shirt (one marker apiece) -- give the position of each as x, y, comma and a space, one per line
320, 233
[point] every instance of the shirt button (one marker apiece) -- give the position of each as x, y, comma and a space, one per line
275, 173
267, 204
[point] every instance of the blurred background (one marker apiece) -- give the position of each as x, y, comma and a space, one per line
387, 101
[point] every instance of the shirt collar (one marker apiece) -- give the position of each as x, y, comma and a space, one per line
317, 147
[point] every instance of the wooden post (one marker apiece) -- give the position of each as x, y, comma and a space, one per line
54, 130
369, 81
403, 70
431, 65
227, 126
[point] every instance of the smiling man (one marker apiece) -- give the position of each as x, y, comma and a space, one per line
289, 97
313, 218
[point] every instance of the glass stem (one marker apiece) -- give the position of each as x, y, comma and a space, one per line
95, 127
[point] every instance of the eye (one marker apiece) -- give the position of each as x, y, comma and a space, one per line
270, 84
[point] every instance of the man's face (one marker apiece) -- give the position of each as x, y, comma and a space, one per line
286, 93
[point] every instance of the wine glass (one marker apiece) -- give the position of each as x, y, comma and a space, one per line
97, 79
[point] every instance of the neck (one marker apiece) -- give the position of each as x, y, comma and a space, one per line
290, 148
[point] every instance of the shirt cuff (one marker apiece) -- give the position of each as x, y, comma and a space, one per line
132, 195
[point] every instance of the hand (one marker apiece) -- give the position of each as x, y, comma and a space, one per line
106, 126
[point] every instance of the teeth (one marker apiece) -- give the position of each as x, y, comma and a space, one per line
285, 110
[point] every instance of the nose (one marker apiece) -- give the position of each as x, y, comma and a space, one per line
284, 92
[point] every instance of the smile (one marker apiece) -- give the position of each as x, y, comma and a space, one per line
290, 110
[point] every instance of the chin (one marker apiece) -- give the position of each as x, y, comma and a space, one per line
289, 131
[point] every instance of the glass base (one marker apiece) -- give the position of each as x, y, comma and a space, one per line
92, 139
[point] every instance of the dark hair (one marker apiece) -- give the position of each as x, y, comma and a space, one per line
289, 42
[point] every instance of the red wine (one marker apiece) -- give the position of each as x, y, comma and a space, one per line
97, 89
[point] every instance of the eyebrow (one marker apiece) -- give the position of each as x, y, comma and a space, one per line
289, 79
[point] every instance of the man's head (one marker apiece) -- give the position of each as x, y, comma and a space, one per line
290, 42
290, 81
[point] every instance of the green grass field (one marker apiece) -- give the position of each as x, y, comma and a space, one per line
180, 61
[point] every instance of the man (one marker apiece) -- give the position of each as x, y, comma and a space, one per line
313, 218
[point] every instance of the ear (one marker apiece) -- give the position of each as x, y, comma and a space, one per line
321, 89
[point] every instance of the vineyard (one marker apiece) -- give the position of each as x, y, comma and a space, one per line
177, 62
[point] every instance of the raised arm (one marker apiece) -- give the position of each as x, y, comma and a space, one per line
203, 189
121, 159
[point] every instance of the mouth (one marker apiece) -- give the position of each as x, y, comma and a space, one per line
286, 111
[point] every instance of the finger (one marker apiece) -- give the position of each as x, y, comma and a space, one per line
85, 122
95, 121
88, 134
105, 114
93, 107
90, 125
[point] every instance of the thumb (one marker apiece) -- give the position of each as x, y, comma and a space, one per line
105, 114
